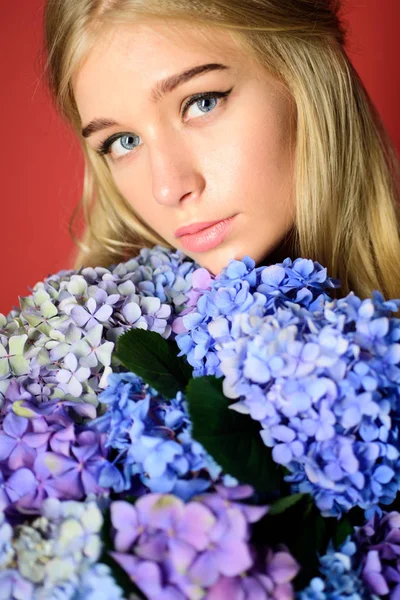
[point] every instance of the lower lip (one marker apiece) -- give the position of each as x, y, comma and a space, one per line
207, 238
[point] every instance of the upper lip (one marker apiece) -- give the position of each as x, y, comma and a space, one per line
195, 227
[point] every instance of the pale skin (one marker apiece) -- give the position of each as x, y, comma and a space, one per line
224, 157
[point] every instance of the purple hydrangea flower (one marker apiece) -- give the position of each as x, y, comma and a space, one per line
378, 550
175, 549
19, 443
271, 580
48, 456
15, 485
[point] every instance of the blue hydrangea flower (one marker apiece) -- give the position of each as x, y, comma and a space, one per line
152, 439
339, 578
321, 376
243, 288
324, 387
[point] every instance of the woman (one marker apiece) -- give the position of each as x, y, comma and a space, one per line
290, 159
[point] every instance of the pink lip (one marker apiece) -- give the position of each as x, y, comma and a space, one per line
194, 228
205, 237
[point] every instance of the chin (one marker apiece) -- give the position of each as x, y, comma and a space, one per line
217, 259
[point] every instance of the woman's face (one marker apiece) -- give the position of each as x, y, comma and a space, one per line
227, 155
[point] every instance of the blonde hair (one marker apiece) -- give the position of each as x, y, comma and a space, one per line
346, 171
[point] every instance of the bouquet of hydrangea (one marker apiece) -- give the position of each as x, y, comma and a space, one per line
170, 434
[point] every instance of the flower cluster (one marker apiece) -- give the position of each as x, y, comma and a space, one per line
55, 357
80, 436
365, 567
173, 549
47, 455
378, 551
322, 379
56, 556
59, 343
152, 439
338, 579
245, 289
325, 391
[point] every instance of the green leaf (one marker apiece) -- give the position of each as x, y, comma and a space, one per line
343, 529
284, 527
303, 530
232, 439
284, 504
155, 360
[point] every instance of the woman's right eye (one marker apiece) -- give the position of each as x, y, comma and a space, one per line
126, 139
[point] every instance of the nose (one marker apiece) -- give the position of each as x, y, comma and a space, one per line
175, 175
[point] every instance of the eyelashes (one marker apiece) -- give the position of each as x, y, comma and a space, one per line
104, 147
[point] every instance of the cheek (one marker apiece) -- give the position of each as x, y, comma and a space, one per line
137, 191
265, 160
255, 166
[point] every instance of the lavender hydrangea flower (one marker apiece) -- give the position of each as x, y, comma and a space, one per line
152, 439
15, 587
173, 549
59, 343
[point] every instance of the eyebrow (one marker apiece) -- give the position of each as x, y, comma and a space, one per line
163, 87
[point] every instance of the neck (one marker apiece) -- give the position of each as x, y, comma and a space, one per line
284, 250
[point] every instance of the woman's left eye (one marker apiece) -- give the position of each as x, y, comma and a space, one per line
206, 96
106, 146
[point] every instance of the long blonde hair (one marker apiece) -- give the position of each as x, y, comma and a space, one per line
346, 172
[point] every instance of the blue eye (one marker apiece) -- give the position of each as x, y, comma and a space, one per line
127, 139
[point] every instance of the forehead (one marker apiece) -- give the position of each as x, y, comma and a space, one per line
139, 54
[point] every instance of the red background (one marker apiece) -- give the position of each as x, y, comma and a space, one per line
41, 166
